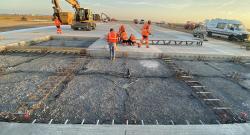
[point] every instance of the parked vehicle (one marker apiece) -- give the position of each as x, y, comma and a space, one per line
200, 32
142, 21
231, 29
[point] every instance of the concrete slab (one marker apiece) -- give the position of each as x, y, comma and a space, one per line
45, 129
218, 79
213, 49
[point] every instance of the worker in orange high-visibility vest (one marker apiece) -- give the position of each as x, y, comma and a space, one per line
58, 25
112, 40
145, 37
132, 40
124, 38
121, 30
147, 26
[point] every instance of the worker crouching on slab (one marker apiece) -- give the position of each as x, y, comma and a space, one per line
132, 41
112, 40
58, 25
121, 30
124, 38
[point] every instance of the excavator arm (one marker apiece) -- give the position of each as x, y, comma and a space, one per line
57, 8
82, 19
65, 17
75, 4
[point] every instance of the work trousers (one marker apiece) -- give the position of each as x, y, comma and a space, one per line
59, 29
112, 50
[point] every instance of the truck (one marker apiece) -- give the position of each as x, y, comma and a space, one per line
231, 29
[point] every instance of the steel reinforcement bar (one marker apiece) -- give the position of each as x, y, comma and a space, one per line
46, 89
224, 113
38, 49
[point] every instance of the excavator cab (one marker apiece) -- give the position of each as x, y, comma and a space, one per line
84, 20
83, 15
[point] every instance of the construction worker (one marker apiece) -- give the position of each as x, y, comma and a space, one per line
124, 38
147, 26
132, 40
112, 39
58, 25
146, 31
121, 29
145, 37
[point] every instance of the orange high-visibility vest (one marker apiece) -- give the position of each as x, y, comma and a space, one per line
147, 26
112, 37
124, 36
122, 29
145, 32
57, 22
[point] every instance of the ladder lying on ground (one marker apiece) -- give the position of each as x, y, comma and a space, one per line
176, 42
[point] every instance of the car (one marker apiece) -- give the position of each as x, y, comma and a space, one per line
142, 21
231, 29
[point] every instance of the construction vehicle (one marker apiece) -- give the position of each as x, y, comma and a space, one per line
231, 29
105, 17
83, 18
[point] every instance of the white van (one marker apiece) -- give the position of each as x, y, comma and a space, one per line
231, 29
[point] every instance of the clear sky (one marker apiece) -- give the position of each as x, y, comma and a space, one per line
167, 10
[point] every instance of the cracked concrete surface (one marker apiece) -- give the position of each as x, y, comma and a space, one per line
102, 90
228, 81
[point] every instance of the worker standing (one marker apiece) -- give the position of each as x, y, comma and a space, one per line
146, 31
58, 25
147, 26
112, 40
145, 37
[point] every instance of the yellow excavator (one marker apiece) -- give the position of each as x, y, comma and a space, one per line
83, 18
